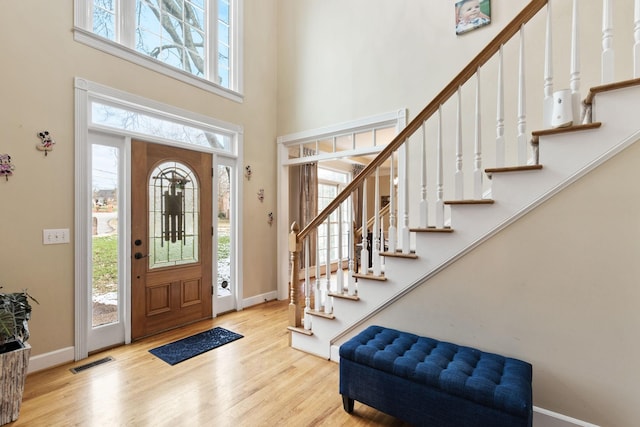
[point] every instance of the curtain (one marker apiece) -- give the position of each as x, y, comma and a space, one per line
308, 206
303, 201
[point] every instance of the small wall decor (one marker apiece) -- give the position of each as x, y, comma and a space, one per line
261, 195
270, 218
46, 142
472, 14
247, 172
6, 168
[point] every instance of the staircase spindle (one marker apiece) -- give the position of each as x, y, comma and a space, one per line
377, 266
364, 253
439, 174
339, 272
393, 232
351, 280
307, 284
403, 196
318, 289
636, 39
327, 299
424, 204
574, 80
608, 54
522, 114
548, 72
500, 143
459, 176
477, 164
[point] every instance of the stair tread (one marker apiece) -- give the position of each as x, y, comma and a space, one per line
345, 296
610, 86
321, 314
554, 131
300, 330
411, 255
513, 169
432, 230
470, 202
370, 276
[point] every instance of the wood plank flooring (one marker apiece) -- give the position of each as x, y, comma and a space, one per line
255, 381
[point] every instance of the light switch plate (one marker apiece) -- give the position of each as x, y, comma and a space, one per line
54, 236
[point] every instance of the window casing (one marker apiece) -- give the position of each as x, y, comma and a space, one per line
191, 40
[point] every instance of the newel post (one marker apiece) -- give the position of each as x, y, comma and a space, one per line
295, 290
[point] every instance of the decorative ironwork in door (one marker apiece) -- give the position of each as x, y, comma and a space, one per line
174, 216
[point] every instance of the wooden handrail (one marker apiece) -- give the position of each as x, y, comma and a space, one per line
483, 57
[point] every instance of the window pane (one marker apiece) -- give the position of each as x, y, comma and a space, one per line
104, 19
224, 44
119, 118
172, 32
224, 231
104, 243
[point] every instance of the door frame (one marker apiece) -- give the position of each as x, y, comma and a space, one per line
85, 93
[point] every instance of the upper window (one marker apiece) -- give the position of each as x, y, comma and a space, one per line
196, 37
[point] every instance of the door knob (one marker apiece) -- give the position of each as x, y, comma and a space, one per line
138, 255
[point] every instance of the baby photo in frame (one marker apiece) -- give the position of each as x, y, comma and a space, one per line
472, 14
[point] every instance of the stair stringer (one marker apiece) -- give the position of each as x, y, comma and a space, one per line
565, 158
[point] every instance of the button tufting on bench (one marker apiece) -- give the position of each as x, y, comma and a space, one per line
485, 378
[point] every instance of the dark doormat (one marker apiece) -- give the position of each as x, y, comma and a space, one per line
194, 345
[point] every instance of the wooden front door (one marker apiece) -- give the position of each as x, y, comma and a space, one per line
170, 237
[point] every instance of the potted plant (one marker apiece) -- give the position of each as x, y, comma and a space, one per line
15, 312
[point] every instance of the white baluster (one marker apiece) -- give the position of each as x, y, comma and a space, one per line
424, 204
377, 266
522, 102
318, 293
403, 166
439, 175
574, 79
393, 232
500, 143
339, 272
547, 107
364, 253
351, 280
328, 306
459, 176
636, 38
477, 164
307, 284
608, 54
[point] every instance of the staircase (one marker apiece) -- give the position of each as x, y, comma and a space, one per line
322, 316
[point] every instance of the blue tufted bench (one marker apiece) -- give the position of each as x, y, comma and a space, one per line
433, 383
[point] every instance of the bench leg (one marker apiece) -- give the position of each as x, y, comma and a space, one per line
347, 403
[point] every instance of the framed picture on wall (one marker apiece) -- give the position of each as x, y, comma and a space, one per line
472, 14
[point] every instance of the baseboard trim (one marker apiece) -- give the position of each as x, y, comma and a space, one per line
545, 418
51, 359
259, 299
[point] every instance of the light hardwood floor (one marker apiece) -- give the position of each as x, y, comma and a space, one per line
255, 381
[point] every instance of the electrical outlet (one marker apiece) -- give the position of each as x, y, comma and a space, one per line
55, 236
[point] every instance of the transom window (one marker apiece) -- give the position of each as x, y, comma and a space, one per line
196, 37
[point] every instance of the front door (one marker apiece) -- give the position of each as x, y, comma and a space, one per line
170, 237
